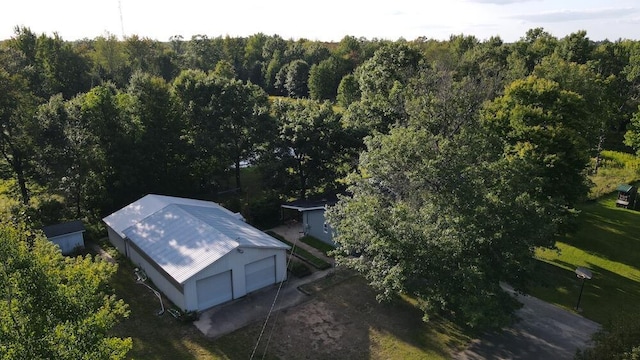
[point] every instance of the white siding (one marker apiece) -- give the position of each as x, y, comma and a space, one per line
314, 225
179, 242
116, 240
235, 261
69, 242
259, 274
159, 281
214, 290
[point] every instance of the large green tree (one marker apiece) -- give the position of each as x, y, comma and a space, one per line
382, 80
54, 307
17, 108
296, 79
451, 203
62, 69
70, 160
312, 149
158, 146
439, 218
545, 124
325, 77
245, 125
227, 120
600, 106
110, 60
101, 111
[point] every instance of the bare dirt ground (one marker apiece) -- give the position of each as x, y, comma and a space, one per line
344, 321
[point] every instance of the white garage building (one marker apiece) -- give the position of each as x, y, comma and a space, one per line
196, 252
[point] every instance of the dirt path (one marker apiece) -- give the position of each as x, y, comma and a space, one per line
100, 251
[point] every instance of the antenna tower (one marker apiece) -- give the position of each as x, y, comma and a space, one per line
121, 19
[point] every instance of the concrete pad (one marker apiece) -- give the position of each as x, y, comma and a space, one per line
227, 318
544, 331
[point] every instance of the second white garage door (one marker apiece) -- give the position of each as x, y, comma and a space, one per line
214, 290
260, 273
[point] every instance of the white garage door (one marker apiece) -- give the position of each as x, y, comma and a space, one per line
214, 290
260, 273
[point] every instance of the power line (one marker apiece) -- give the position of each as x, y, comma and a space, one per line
273, 304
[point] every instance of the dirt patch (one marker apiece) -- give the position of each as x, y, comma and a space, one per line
321, 329
344, 321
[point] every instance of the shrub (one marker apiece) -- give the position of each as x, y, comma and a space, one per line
618, 339
299, 269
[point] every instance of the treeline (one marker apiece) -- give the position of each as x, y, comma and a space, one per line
93, 124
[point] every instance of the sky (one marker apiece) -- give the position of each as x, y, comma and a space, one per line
327, 20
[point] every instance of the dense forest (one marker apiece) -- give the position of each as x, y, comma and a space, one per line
466, 154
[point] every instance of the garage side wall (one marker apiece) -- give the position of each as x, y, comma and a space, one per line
69, 242
116, 240
234, 261
160, 282
315, 225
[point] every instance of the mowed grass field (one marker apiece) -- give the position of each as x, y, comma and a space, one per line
608, 243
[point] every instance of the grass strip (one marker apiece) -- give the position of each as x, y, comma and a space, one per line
318, 244
302, 253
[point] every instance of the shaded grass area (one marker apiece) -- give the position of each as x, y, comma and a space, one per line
608, 243
302, 253
159, 337
318, 244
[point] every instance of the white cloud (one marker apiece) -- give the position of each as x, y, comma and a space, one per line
501, 2
575, 15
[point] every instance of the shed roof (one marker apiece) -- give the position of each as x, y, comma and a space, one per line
70, 227
624, 187
184, 236
307, 205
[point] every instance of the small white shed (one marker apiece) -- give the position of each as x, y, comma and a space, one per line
68, 236
196, 252
313, 220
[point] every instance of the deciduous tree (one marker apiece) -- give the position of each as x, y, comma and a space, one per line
449, 203
382, 80
54, 307
311, 150
296, 79
17, 109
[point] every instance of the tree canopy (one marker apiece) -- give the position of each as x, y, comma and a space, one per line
452, 204
54, 307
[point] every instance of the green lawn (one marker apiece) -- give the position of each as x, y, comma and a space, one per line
303, 254
317, 243
608, 243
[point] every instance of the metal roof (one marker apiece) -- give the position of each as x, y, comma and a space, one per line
624, 187
70, 227
307, 205
184, 236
